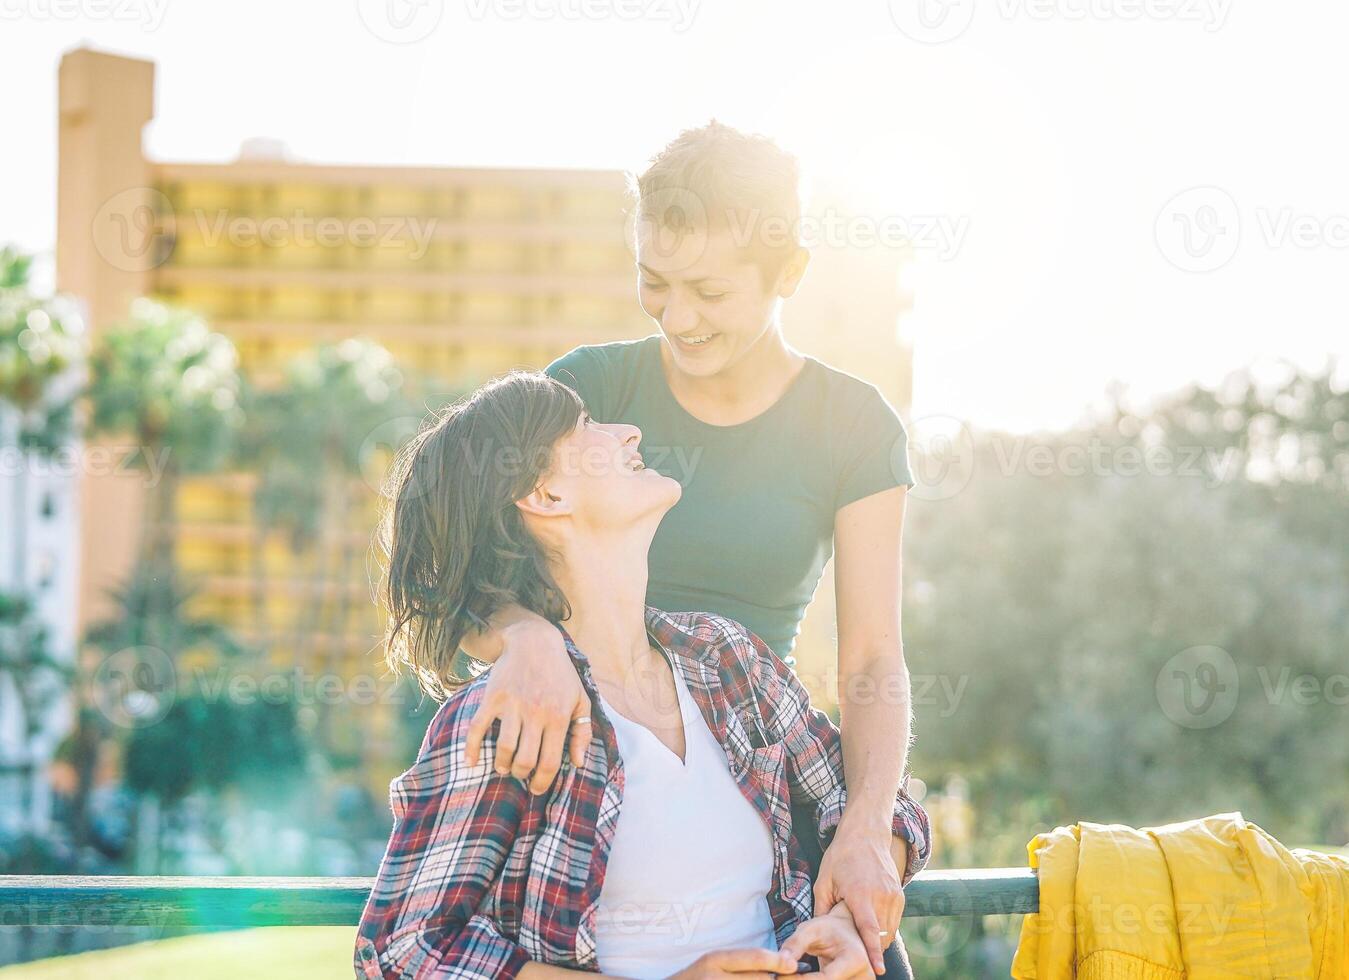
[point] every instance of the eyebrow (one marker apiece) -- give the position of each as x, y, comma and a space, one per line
692, 282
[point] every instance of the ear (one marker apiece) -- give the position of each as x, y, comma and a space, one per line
543, 502
793, 271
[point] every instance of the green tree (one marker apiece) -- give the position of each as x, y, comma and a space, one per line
1059, 597
37, 678
41, 350
309, 441
166, 381
1055, 593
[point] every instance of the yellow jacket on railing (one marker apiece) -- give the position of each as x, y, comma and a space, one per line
1208, 899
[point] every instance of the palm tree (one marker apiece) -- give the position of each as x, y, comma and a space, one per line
164, 380
307, 440
167, 381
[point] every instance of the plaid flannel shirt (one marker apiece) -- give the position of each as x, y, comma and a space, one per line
481, 877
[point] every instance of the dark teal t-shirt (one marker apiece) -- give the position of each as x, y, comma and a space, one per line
754, 527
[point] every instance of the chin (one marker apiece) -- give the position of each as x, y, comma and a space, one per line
676, 488
699, 367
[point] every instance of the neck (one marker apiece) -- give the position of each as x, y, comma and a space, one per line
604, 578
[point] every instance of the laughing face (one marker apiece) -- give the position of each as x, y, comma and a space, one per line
712, 300
599, 478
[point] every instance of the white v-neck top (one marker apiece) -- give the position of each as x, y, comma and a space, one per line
692, 860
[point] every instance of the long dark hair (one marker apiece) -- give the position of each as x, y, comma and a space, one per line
455, 548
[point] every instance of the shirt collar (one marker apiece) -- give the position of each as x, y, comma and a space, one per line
692, 649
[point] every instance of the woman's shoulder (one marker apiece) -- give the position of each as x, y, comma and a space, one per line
846, 391
613, 357
605, 375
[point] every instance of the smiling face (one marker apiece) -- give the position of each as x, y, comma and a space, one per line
598, 480
712, 297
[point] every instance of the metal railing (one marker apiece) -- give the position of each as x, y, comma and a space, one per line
231, 902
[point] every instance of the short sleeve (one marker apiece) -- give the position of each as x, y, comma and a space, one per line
582, 369
873, 454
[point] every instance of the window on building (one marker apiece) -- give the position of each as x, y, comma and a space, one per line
46, 570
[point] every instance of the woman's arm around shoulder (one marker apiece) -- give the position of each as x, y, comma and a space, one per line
533, 690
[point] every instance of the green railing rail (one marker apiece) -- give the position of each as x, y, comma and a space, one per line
211, 903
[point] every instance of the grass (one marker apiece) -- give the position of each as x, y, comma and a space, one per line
292, 952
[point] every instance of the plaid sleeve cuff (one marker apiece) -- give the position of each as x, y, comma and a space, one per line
910, 822
829, 813
478, 951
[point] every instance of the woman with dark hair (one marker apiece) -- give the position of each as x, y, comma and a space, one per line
665, 848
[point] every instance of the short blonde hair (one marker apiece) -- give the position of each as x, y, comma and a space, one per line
718, 177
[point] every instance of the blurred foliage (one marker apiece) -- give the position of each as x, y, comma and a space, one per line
1056, 597
166, 380
29, 854
318, 428
210, 743
38, 677
151, 612
310, 439
1042, 602
41, 348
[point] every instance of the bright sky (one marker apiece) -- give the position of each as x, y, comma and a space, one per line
1034, 148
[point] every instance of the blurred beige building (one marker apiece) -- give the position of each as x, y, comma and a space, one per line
460, 273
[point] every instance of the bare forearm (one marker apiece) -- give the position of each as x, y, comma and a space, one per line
486, 644
874, 704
